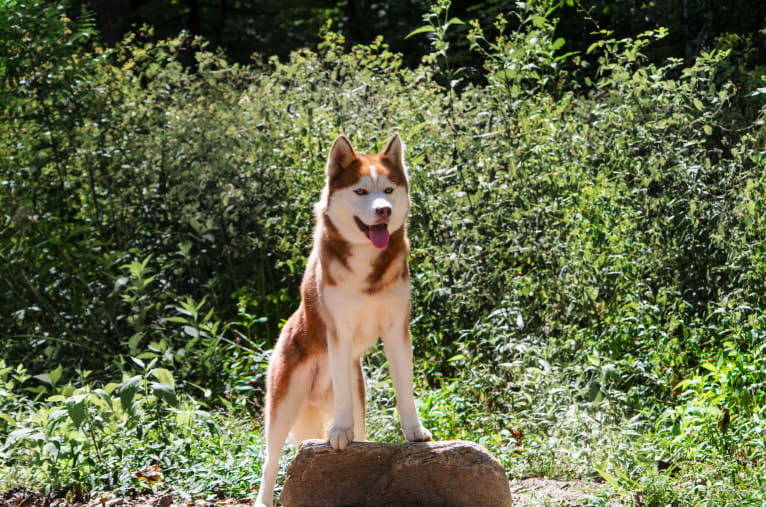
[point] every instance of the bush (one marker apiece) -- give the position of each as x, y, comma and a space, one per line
138, 434
581, 244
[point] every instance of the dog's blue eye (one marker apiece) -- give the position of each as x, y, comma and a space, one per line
360, 191
389, 190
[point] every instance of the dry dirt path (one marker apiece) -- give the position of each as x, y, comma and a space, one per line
541, 491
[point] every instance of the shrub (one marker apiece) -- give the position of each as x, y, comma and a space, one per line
581, 244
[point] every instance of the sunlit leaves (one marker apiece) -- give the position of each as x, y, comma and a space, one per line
580, 247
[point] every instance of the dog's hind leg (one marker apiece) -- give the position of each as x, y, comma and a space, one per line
292, 389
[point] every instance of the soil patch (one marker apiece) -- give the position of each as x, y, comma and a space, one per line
543, 491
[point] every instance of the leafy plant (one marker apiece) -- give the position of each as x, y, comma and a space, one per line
587, 254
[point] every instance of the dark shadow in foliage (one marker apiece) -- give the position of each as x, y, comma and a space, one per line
266, 27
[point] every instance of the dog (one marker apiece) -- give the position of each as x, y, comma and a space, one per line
355, 290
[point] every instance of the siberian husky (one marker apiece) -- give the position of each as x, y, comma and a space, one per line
355, 290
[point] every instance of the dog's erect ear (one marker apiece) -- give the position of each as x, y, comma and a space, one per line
393, 153
342, 154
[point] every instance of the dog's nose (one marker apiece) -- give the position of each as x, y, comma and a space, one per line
383, 211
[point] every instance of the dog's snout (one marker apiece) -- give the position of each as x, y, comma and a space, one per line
383, 211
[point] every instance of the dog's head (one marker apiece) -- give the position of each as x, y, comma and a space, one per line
367, 196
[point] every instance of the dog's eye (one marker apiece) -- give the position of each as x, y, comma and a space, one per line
360, 191
389, 190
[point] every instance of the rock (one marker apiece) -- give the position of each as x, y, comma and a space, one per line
164, 501
424, 474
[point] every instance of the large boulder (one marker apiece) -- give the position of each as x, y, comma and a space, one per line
369, 474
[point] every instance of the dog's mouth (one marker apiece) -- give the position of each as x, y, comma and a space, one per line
377, 233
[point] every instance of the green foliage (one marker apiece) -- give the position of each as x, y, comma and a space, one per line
587, 250
102, 437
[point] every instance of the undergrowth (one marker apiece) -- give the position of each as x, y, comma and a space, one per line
587, 252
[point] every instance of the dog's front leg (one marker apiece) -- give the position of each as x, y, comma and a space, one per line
342, 430
398, 347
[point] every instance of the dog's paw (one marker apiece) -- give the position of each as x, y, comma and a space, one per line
261, 503
417, 434
339, 438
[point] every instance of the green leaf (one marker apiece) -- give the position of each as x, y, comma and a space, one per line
165, 392
593, 46
51, 449
184, 417
103, 399
55, 376
120, 283
422, 29
609, 478
23, 434
146, 261
538, 21
160, 346
76, 409
128, 390
135, 340
110, 387
506, 74
416, 128
163, 375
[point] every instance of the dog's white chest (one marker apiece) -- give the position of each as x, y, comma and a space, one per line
360, 316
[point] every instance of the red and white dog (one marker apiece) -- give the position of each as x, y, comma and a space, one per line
355, 290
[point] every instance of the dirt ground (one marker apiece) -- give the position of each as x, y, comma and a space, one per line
531, 491
542, 491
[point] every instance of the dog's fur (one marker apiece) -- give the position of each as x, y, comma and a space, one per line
355, 290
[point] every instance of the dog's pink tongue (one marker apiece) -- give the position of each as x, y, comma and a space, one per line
379, 235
